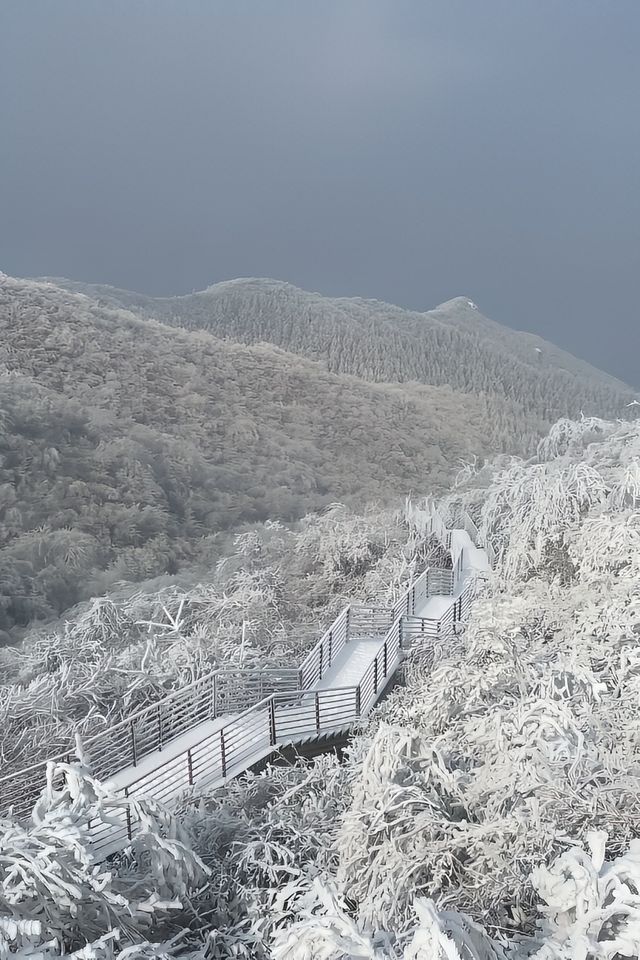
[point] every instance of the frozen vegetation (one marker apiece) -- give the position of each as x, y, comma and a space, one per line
264, 604
488, 809
132, 449
453, 345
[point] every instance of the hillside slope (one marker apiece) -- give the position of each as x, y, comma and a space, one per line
141, 439
487, 809
453, 344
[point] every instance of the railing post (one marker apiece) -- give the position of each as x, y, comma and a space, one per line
413, 600
358, 700
400, 632
134, 754
128, 815
214, 695
300, 679
320, 667
223, 753
272, 722
384, 659
347, 624
375, 675
317, 712
159, 726
330, 644
190, 766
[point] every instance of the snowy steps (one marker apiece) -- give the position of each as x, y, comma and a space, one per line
309, 721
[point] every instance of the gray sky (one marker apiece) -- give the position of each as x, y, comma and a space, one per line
409, 150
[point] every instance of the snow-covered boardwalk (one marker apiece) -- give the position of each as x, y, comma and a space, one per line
201, 737
360, 653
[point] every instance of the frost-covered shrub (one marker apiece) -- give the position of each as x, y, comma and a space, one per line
58, 895
473, 790
265, 604
456, 824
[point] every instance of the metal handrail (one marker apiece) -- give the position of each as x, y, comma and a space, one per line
265, 727
467, 523
197, 701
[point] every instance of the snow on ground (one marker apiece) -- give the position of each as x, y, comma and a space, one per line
475, 558
351, 664
217, 750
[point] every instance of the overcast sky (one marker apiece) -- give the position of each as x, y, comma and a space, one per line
410, 150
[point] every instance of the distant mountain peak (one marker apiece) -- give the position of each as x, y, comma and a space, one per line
455, 302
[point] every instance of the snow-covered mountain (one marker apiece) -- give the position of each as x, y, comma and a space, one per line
143, 439
453, 344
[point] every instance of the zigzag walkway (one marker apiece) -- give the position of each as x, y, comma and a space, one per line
200, 737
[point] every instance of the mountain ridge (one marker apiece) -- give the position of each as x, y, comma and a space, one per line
144, 439
447, 344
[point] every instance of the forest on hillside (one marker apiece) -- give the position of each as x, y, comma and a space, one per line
453, 345
488, 810
131, 449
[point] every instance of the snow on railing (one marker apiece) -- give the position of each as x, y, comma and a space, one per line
382, 668
458, 567
418, 630
235, 689
370, 620
359, 620
489, 549
439, 582
283, 690
466, 522
151, 728
414, 597
320, 658
277, 721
